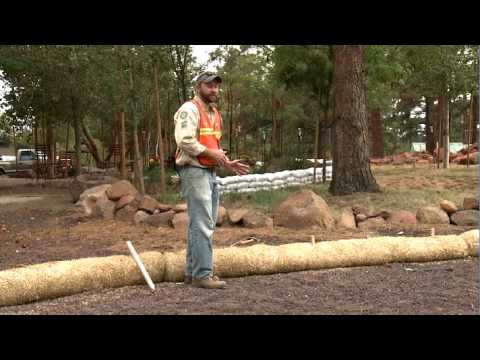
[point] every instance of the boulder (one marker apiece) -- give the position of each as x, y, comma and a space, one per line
126, 213
137, 200
235, 216
304, 209
104, 208
88, 199
372, 223
163, 207
255, 219
88, 205
96, 192
180, 208
163, 219
148, 204
470, 204
121, 189
180, 221
84, 182
466, 218
403, 217
124, 201
347, 219
221, 216
432, 215
140, 217
448, 206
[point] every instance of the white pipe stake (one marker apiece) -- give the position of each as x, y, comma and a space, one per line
141, 266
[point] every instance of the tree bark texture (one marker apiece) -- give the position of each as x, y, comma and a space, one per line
351, 165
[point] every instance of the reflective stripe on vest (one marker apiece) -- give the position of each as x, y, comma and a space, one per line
208, 136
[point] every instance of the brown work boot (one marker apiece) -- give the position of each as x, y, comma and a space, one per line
209, 283
187, 280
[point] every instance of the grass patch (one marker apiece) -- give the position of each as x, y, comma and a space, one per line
264, 200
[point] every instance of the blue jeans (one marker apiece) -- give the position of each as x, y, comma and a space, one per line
200, 190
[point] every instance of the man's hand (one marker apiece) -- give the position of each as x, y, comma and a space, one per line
237, 167
217, 155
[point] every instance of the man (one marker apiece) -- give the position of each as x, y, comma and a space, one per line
198, 130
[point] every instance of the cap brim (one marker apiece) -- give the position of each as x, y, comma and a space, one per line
212, 78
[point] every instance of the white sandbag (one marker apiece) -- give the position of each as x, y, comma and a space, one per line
233, 186
243, 185
246, 178
284, 175
271, 177
300, 174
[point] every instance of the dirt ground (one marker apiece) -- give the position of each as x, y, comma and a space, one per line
39, 223
442, 288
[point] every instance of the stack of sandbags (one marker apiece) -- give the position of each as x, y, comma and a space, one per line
270, 181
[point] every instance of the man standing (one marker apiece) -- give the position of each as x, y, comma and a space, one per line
198, 130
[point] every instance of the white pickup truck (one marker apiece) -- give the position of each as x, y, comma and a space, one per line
26, 160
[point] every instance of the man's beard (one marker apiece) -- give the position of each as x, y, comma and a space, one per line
208, 99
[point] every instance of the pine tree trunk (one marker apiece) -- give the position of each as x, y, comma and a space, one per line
15, 148
78, 136
351, 165
468, 131
138, 163
377, 133
50, 150
323, 144
430, 125
435, 120
317, 136
445, 134
123, 146
159, 131
475, 122
440, 137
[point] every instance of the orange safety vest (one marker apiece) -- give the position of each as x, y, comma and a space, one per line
209, 134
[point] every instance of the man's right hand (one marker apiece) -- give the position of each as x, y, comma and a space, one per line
217, 155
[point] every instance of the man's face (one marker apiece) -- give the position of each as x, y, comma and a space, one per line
209, 91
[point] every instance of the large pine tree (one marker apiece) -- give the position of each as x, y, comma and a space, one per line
351, 166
